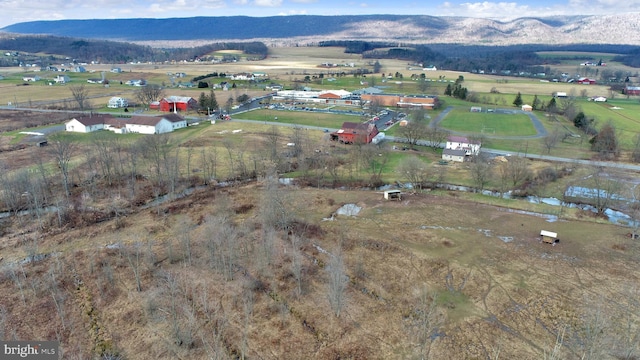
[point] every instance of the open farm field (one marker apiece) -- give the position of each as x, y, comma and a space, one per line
459, 120
534, 87
623, 114
577, 57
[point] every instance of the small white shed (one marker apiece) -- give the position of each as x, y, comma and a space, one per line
393, 195
548, 236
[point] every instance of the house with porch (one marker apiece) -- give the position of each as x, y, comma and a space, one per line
460, 148
117, 102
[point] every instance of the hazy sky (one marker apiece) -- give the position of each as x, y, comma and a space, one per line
15, 11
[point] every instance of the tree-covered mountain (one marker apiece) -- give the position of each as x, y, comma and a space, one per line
46, 47
603, 29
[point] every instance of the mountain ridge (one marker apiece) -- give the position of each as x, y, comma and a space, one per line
591, 29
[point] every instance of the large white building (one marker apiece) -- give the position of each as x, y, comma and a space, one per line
137, 124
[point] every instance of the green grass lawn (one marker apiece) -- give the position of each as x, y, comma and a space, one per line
624, 114
488, 123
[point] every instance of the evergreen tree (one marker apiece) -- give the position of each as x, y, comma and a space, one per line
202, 101
448, 91
552, 106
581, 121
213, 103
377, 67
518, 101
536, 103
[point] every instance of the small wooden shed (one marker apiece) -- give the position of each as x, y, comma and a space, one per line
548, 236
393, 194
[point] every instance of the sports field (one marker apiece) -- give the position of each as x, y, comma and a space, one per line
306, 118
488, 123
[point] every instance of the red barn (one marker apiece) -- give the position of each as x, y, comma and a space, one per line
632, 90
178, 103
586, 81
355, 133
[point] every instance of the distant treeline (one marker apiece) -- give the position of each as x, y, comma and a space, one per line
632, 58
60, 48
515, 58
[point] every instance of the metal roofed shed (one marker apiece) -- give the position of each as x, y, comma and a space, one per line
549, 237
393, 194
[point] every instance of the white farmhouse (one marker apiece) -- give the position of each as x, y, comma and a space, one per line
459, 148
117, 102
61, 79
31, 78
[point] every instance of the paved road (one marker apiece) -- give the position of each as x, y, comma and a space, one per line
625, 166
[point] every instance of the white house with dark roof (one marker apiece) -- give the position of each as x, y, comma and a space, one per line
61, 79
137, 124
459, 148
88, 123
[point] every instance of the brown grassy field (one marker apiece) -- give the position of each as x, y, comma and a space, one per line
496, 287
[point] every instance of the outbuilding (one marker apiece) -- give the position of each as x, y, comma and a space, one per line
549, 237
393, 195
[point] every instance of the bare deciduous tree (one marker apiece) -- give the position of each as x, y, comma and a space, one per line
133, 254
603, 189
627, 345
80, 94
551, 140
425, 321
338, 281
63, 150
518, 170
221, 241
594, 331
436, 136
275, 209
414, 170
414, 130
480, 172
183, 230
148, 94
556, 350
374, 159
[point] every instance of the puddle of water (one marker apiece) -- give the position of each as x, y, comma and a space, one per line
349, 210
549, 217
